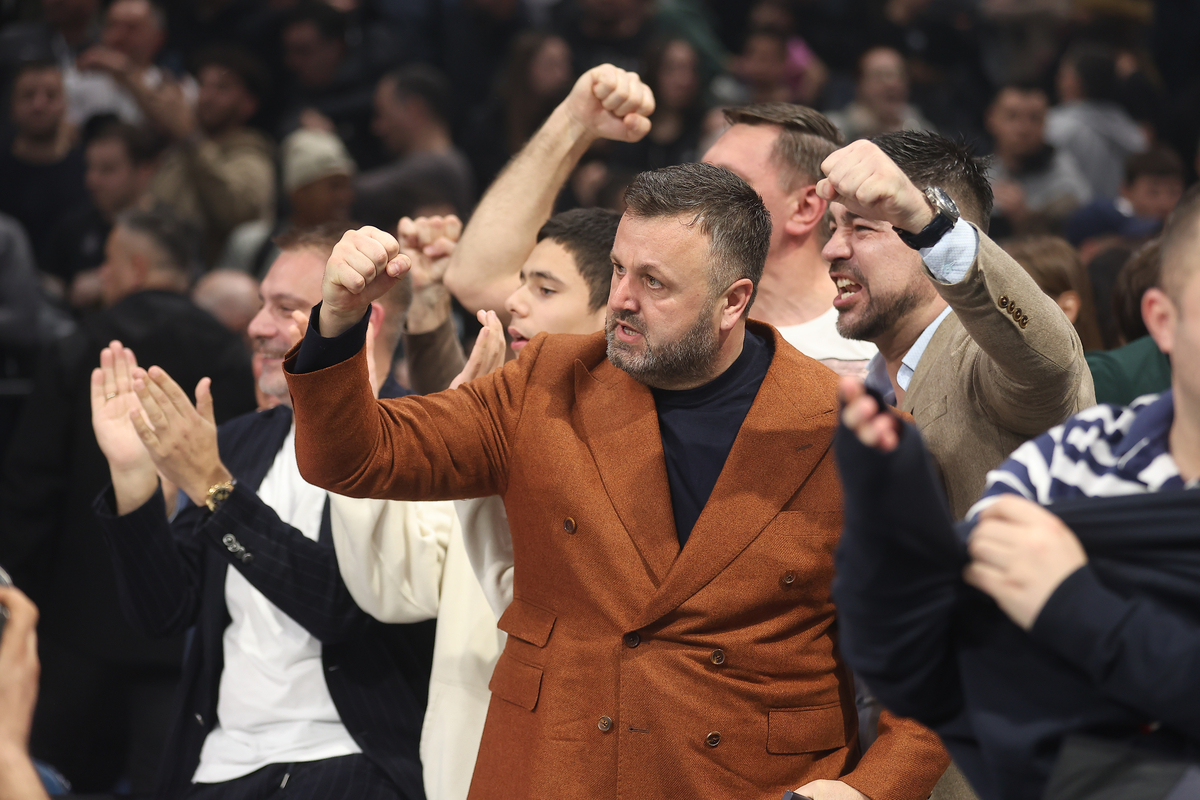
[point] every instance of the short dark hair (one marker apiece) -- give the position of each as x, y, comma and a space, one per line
807, 137
427, 83
587, 234
725, 208
328, 21
1096, 66
175, 239
1179, 244
1159, 161
1142, 271
141, 145
929, 159
249, 69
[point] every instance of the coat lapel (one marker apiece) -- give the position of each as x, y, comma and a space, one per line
785, 435
618, 415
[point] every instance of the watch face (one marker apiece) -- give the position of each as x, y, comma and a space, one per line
942, 201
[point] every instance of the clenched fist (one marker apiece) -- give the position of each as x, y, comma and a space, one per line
868, 183
363, 266
610, 103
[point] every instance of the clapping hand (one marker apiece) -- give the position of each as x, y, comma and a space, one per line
428, 243
181, 438
114, 405
488, 352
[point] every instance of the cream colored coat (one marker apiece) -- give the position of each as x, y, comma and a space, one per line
408, 562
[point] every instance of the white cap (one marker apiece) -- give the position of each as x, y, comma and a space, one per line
309, 155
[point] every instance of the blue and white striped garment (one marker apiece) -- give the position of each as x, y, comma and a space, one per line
1104, 451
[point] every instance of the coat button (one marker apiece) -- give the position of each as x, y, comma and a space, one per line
199, 720
1024, 321
713, 739
717, 657
632, 639
229, 541
1003, 301
789, 578
569, 525
605, 724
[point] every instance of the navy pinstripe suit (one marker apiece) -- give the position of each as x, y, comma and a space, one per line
172, 578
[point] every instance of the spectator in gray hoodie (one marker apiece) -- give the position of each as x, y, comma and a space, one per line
1088, 123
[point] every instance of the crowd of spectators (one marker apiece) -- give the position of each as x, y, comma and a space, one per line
152, 154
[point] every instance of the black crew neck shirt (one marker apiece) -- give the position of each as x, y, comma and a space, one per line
698, 427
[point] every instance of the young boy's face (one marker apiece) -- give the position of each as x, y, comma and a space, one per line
553, 297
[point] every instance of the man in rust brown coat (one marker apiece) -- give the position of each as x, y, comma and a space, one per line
674, 508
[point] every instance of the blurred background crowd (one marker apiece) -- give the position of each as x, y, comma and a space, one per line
230, 122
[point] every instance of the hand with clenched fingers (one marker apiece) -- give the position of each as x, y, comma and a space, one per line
868, 183
364, 265
611, 103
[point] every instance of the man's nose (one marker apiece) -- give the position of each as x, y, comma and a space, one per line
621, 296
836, 248
262, 326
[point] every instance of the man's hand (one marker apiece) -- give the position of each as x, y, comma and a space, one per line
113, 405
610, 103
830, 790
428, 242
868, 183
874, 426
183, 441
1020, 553
488, 352
363, 266
18, 670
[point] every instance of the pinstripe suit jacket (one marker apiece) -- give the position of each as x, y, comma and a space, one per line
172, 578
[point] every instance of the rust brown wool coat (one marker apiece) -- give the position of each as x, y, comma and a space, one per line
634, 669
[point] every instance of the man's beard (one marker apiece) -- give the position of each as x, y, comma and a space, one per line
271, 381
687, 361
880, 315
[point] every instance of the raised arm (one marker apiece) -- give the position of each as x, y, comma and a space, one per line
605, 103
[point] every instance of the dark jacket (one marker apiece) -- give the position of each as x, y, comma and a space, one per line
172, 577
932, 648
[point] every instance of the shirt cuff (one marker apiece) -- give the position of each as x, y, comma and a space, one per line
317, 352
953, 255
1079, 618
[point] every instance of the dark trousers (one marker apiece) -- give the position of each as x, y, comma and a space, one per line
349, 777
102, 724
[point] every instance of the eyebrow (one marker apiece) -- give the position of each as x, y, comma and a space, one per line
290, 299
544, 275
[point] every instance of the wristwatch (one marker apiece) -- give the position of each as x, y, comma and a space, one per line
218, 493
945, 215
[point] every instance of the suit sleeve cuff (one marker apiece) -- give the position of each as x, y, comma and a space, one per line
318, 352
950, 259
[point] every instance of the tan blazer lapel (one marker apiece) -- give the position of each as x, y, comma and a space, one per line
922, 386
784, 437
621, 424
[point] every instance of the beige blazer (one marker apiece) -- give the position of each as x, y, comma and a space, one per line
1005, 366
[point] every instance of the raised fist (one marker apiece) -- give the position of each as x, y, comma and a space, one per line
428, 242
611, 103
868, 183
363, 266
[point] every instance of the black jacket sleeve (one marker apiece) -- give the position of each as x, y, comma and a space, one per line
897, 581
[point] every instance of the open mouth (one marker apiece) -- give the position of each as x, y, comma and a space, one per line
519, 340
847, 288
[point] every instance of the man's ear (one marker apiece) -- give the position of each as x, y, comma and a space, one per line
1160, 315
806, 210
378, 314
737, 297
1070, 302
